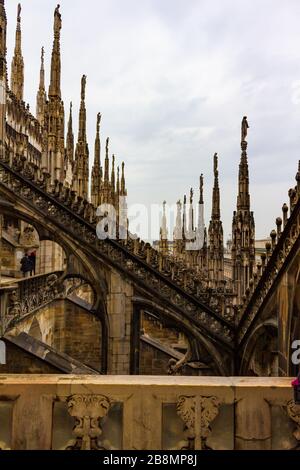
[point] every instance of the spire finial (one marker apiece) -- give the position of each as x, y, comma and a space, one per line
216, 173
42, 70
123, 188
41, 94
201, 189
106, 146
83, 85
70, 117
17, 65
70, 136
82, 112
106, 165
19, 13
118, 180
112, 179
216, 191
55, 75
97, 162
57, 20
163, 229
98, 122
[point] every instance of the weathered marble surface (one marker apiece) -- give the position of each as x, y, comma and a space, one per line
254, 413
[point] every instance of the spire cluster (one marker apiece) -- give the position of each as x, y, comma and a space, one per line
63, 160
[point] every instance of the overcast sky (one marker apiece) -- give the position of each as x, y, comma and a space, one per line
173, 79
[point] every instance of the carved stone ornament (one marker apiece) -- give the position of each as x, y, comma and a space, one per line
293, 412
33, 293
175, 367
88, 410
28, 238
14, 309
197, 413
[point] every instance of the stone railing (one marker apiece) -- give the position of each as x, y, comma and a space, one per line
162, 277
24, 296
122, 412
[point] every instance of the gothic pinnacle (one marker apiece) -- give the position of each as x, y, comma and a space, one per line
54, 88
164, 230
184, 218
191, 195
243, 222
98, 122
70, 116
82, 112
17, 66
41, 94
42, 71
97, 162
106, 166
216, 191
201, 201
112, 181
118, 180
243, 199
83, 86
70, 137
123, 187
191, 214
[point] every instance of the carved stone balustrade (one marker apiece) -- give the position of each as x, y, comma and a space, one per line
23, 296
135, 412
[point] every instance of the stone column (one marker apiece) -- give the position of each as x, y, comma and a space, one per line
119, 310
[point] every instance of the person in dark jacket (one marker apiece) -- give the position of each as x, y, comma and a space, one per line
26, 265
32, 257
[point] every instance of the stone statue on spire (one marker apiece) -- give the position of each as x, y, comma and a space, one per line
83, 85
245, 127
98, 121
191, 196
201, 189
19, 12
57, 20
216, 164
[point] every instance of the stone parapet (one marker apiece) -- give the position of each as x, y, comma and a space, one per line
139, 412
